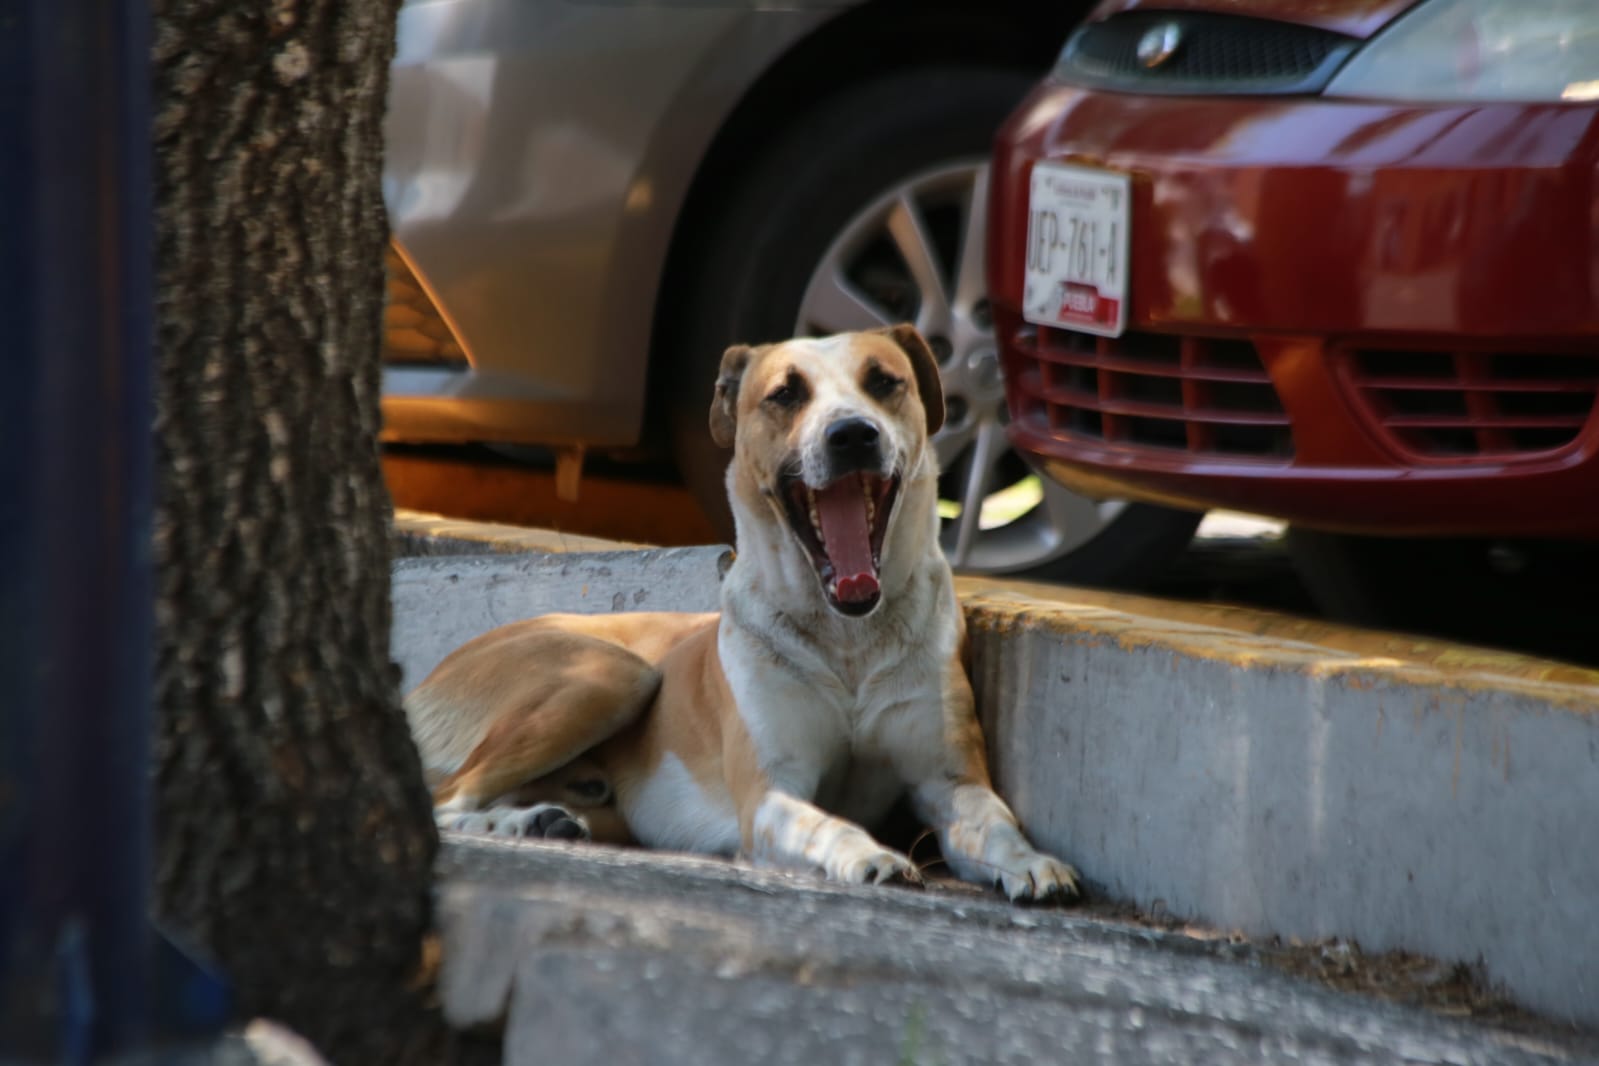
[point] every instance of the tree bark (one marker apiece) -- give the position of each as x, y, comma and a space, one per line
295, 838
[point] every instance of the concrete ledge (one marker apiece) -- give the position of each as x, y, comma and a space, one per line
1241, 769
443, 601
590, 954
419, 533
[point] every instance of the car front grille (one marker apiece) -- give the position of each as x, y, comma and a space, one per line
1196, 395
1213, 54
1474, 405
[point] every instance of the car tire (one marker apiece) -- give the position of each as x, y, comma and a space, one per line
1515, 594
754, 265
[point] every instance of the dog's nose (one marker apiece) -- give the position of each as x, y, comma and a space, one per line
853, 440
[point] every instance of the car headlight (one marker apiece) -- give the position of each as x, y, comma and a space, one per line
1470, 50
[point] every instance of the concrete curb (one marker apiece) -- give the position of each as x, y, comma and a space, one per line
1290, 789
589, 954
419, 533
1242, 769
443, 601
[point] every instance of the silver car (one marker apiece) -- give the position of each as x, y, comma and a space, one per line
591, 199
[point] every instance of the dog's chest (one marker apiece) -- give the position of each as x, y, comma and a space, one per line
848, 728
887, 727
838, 710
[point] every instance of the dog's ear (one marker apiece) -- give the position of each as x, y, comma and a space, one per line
724, 405
925, 366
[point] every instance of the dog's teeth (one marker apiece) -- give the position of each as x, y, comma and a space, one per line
816, 519
871, 504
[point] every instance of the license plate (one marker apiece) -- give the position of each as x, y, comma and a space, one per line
1078, 221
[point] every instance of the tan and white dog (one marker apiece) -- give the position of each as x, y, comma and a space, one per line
831, 683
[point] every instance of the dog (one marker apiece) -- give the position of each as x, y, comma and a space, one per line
831, 683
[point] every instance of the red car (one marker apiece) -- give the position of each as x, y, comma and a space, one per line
1333, 262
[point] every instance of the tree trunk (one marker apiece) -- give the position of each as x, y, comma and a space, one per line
295, 839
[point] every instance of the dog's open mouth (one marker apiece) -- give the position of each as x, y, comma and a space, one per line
842, 525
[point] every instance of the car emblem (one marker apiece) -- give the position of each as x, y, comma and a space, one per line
1159, 43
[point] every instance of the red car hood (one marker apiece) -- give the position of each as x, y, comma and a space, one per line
1357, 18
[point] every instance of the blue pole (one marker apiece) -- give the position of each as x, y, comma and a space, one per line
76, 413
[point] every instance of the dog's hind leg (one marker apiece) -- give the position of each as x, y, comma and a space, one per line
544, 821
547, 708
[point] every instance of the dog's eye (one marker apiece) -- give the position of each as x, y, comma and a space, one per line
786, 395
880, 385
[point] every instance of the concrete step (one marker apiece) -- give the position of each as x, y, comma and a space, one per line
591, 954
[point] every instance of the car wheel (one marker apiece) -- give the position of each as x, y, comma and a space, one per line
1509, 593
871, 210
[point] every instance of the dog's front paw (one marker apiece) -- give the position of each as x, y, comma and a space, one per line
869, 863
544, 821
1037, 878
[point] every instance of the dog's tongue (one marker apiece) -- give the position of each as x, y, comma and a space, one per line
841, 507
